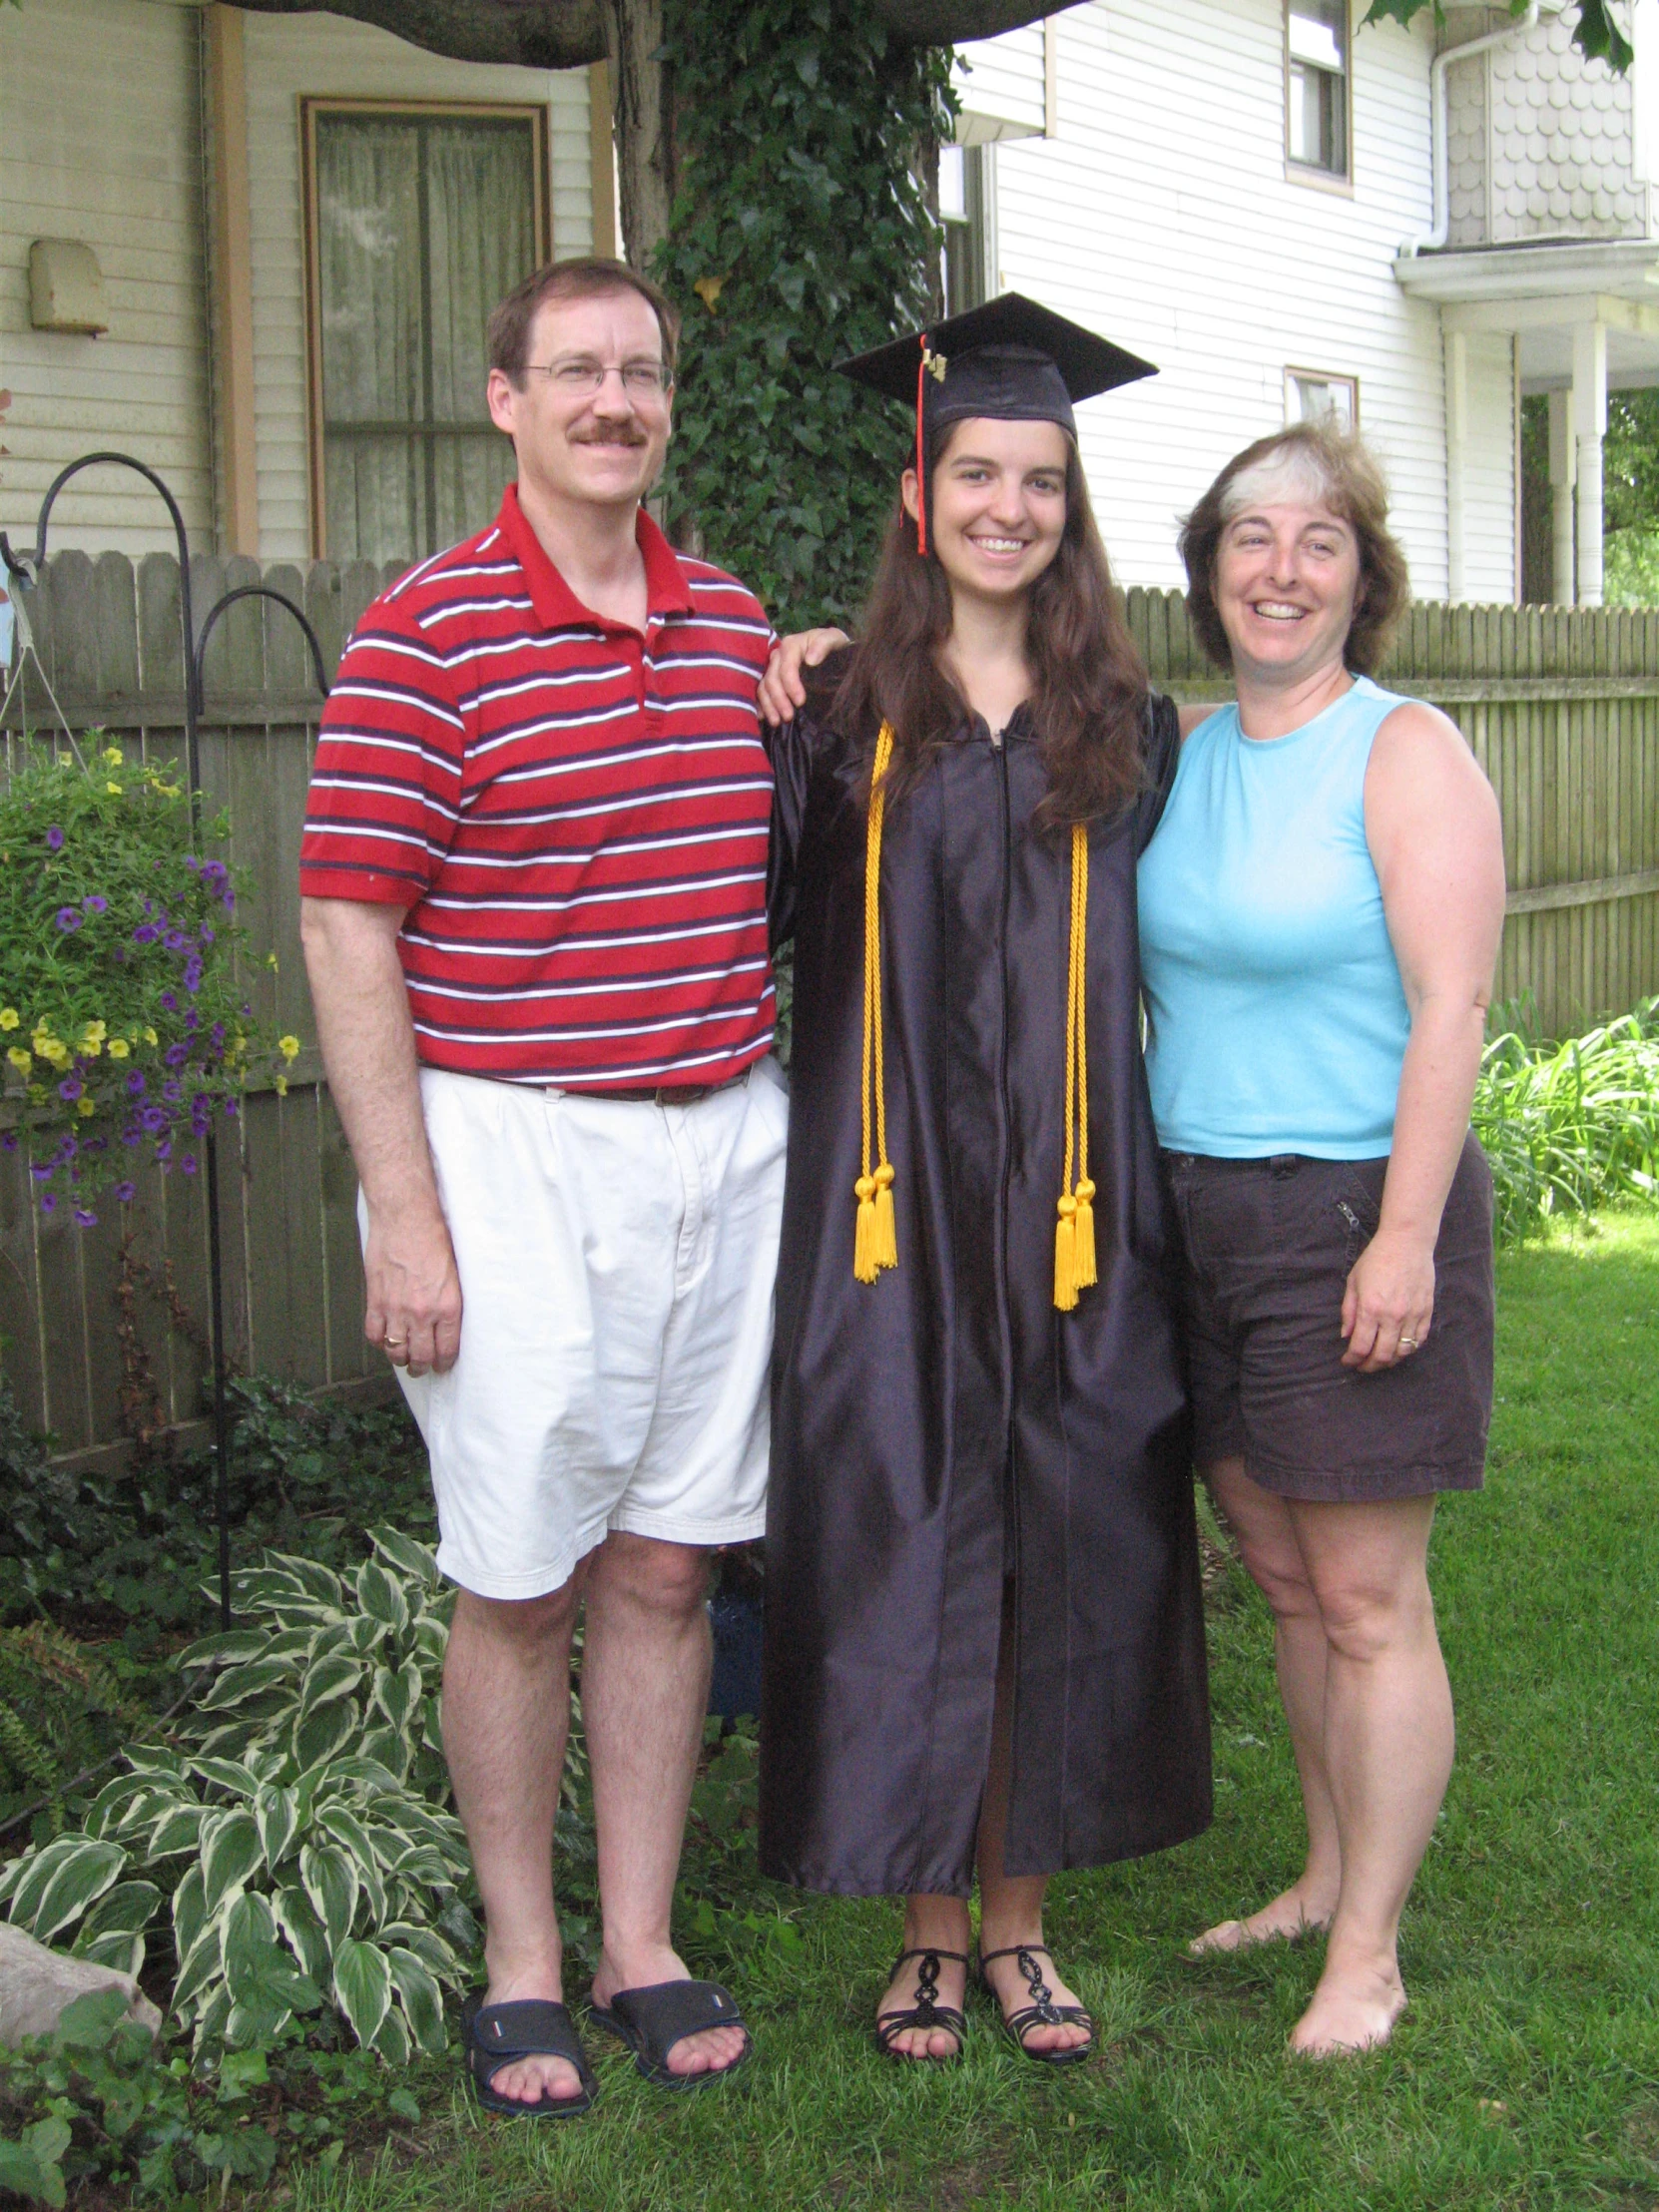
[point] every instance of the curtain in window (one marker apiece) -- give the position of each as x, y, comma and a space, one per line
424, 222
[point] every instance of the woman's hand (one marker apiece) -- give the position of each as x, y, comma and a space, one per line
783, 688
1389, 1301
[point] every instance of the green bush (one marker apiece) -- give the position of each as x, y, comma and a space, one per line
296, 1848
1570, 1127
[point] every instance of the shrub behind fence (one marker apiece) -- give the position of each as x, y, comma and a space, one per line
102, 1328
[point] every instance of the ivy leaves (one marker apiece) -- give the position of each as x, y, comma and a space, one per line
800, 235
1596, 31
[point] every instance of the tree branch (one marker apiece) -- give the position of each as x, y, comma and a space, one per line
535, 34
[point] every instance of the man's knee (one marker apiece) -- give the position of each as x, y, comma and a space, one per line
521, 1627
671, 1579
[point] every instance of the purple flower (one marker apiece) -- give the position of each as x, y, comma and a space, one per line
8, 1140
164, 1151
135, 1083
176, 1055
231, 1109
193, 1020
42, 1171
85, 1217
48, 1203
193, 975
206, 933
53, 839
154, 1120
96, 1144
172, 1091
69, 918
70, 1089
131, 1134
68, 1149
170, 1002
146, 933
218, 1033
187, 1163
175, 941
230, 898
95, 904
214, 872
126, 1193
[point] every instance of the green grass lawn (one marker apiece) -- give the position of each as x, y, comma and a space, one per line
1526, 2072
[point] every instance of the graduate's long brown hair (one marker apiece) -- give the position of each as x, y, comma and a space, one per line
1090, 683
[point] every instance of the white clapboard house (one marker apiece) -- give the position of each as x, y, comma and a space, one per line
258, 249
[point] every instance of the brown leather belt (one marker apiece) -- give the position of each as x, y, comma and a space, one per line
664, 1094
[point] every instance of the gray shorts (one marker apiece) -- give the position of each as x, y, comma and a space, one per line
1267, 1248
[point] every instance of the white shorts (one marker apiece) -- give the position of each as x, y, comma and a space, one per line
617, 1262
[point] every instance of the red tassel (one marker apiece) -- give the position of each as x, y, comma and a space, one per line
922, 460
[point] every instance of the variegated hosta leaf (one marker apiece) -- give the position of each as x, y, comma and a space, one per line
363, 1987
348, 1832
225, 1650
189, 1911
330, 1880
153, 1759
212, 2020
398, 1695
380, 1598
127, 1909
111, 1800
393, 2043
277, 1815
328, 1679
311, 1576
306, 1936
227, 1774
321, 1734
178, 1829
123, 1953
200, 1968
238, 1684
229, 1854
420, 1998
407, 1556
61, 1880
430, 1948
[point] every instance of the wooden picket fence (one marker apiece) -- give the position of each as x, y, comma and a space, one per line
102, 1330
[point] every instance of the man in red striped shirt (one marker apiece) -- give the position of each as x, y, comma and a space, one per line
534, 873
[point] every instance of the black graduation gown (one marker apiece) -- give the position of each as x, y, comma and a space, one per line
947, 1426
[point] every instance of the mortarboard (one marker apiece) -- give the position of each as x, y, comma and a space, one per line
1011, 359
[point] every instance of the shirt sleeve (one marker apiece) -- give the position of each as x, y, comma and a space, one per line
385, 787
1163, 756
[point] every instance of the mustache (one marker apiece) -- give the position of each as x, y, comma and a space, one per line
615, 433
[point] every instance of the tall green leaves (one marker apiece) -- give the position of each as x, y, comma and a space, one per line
1570, 1127
800, 235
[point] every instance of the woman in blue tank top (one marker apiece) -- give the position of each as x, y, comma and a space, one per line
1320, 914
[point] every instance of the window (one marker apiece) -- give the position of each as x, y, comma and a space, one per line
1316, 36
1309, 394
966, 209
419, 220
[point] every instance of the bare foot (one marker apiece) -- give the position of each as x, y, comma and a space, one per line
1351, 2012
906, 1990
1011, 1981
1291, 1913
528, 2080
712, 2050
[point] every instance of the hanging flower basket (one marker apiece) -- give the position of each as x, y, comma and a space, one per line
123, 1026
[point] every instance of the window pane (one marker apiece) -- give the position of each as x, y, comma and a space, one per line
1317, 31
1318, 118
954, 183
1313, 397
424, 222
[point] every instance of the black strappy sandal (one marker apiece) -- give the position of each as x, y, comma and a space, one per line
927, 2012
1042, 2012
527, 2027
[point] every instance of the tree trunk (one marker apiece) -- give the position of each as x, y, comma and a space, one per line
642, 94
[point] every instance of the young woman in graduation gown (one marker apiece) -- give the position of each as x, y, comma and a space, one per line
984, 1638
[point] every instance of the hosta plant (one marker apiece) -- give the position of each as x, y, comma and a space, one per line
295, 1849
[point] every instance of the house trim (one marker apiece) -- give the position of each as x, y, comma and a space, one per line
602, 151
232, 281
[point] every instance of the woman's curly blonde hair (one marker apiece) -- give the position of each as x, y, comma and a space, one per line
1335, 465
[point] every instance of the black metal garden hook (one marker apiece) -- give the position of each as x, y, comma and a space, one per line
26, 569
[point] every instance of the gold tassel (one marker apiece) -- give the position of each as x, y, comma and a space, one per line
1074, 1255
875, 1237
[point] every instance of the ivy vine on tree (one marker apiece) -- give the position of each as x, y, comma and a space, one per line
801, 233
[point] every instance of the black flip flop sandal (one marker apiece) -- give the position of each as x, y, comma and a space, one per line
1042, 2012
651, 2020
927, 2011
530, 2028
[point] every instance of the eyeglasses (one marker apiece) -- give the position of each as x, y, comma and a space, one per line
582, 376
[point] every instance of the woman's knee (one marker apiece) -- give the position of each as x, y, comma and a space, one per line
1367, 1615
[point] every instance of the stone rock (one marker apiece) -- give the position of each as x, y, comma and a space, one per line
38, 1985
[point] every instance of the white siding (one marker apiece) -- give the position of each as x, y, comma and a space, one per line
326, 55
1161, 215
1003, 81
99, 141
1489, 470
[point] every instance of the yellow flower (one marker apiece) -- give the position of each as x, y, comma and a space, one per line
85, 1106
21, 1060
112, 754
288, 1047
119, 1048
114, 788
281, 1086
149, 1036
271, 962
92, 1040
8, 1017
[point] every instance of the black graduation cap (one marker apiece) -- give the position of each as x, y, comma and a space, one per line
1012, 359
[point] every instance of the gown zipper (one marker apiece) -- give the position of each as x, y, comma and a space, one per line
1011, 1509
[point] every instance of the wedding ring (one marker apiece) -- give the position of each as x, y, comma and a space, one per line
1408, 1344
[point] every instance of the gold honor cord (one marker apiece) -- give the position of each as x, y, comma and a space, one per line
874, 1240
1074, 1262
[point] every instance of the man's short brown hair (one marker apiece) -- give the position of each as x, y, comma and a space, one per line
1353, 485
588, 278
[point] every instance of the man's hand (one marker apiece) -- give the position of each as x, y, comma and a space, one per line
781, 687
413, 1309
1388, 1303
